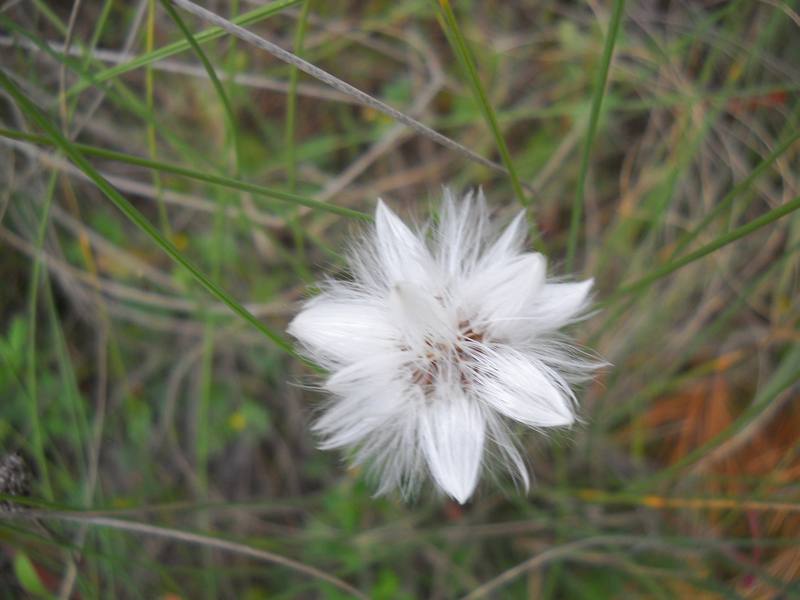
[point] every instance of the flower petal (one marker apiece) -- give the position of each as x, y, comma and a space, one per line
503, 292
371, 374
452, 432
508, 244
368, 395
339, 332
393, 456
522, 389
419, 315
508, 456
461, 232
402, 255
558, 304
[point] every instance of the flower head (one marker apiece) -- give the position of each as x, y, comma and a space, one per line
442, 338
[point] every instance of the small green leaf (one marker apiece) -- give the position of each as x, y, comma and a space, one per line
28, 577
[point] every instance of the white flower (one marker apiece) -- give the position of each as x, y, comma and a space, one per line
442, 338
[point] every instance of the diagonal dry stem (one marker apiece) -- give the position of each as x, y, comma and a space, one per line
197, 539
334, 82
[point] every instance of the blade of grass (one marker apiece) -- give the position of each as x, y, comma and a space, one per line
51, 16
199, 540
150, 128
721, 241
70, 395
207, 35
291, 98
212, 75
577, 205
35, 114
744, 184
203, 433
203, 441
86, 56
289, 138
465, 57
37, 436
335, 83
69, 389
220, 180
115, 91
594, 119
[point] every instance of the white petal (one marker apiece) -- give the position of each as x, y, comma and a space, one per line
364, 376
402, 255
354, 419
522, 389
343, 332
347, 423
561, 303
510, 457
503, 292
420, 315
452, 431
461, 232
369, 394
394, 456
509, 244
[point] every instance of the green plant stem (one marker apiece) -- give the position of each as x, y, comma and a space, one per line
207, 35
136, 217
463, 53
724, 240
594, 119
220, 180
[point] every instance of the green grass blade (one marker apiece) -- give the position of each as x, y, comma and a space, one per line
462, 50
71, 395
674, 376
594, 118
37, 275
150, 128
289, 138
737, 189
291, 99
202, 438
207, 35
35, 114
115, 91
220, 180
723, 240
212, 74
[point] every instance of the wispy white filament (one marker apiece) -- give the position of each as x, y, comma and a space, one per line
443, 337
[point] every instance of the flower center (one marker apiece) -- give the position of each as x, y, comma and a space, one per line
443, 356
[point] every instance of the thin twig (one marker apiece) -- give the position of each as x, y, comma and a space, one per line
130, 39
334, 82
120, 291
191, 538
145, 190
553, 553
251, 80
390, 139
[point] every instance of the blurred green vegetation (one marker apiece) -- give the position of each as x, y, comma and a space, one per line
139, 399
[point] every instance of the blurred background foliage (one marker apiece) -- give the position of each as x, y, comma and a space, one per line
137, 399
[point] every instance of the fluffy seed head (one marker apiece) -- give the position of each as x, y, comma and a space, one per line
443, 337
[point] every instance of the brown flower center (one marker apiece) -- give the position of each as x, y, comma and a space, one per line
465, 347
